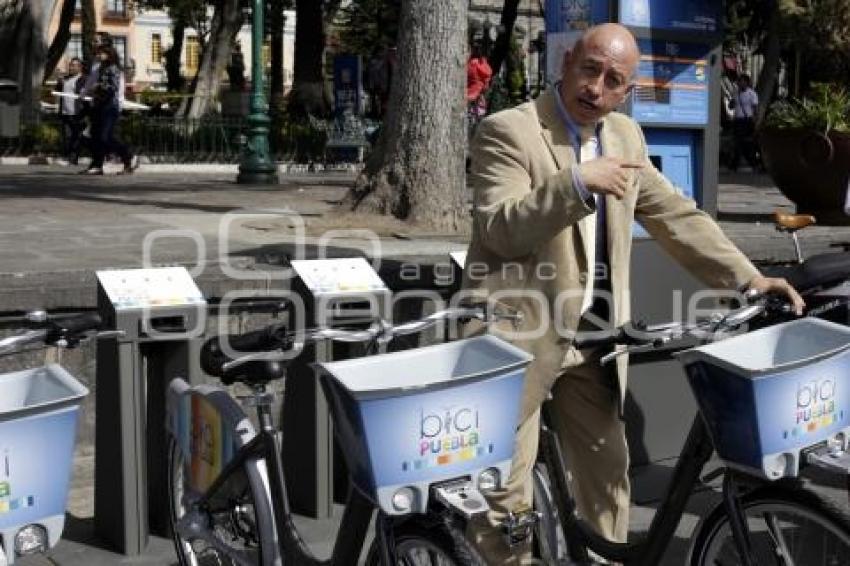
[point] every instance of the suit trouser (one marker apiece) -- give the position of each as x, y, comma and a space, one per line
592, 435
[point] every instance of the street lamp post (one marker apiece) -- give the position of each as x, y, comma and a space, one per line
255, 166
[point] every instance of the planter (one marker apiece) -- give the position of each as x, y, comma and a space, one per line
810, 168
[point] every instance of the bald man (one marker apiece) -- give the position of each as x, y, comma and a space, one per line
557, 183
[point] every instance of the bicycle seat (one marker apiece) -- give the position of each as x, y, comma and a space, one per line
819, 271
254, 372
792, 222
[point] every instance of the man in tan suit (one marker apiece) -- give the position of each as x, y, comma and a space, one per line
557, 183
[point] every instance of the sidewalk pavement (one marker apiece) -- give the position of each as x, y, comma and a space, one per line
59, 228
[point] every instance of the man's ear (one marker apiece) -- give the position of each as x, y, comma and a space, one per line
565, 61
629, 90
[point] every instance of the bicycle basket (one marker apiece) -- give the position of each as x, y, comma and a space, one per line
768, 394
38, 424
409, 419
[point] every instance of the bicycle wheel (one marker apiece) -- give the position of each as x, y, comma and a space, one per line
230, 531
419, 545
787, 527
548, 535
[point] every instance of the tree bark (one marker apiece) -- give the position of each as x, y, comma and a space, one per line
60, 40
174, 79
225, 25
308, 92
89, 28
503, 41
30, 42
11, 21
417, 171
766, 84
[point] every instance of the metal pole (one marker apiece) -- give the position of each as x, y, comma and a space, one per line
256, 167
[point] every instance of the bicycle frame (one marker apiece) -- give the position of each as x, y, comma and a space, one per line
581, 537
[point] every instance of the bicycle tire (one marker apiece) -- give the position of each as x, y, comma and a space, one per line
550, 543
819, 534
237, 526
434, 544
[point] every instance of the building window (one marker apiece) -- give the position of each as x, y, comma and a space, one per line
120, 44
193, 54
75, 46
267, 54
156, 48
116, 7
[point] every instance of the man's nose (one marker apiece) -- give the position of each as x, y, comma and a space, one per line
593, 88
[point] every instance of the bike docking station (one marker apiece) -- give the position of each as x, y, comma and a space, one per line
344, 292
161, 316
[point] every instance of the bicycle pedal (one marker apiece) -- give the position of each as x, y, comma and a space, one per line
518, 526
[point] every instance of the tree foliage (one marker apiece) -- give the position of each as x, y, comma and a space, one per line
819, 30
368, 26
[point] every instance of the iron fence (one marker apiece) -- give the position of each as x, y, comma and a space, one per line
219, 139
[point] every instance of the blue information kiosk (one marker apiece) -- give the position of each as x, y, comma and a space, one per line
676, 100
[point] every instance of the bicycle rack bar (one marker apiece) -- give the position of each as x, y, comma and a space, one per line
462, 496
830, 458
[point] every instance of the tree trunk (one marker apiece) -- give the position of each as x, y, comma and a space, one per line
60, 40
89, 28
417, 171
766, 84
11, 22
32, 45
276, 24
225, 25
174, 79
503, 41
308, 86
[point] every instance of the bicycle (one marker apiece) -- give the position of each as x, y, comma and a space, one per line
227, 488
773, 522
38, 417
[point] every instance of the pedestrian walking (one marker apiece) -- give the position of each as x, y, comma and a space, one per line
106, 111
70, 109
745, 104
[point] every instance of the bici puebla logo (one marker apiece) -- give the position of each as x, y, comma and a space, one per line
447, 436
8, 502
815, 407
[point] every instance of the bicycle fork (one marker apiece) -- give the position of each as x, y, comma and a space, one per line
737, 519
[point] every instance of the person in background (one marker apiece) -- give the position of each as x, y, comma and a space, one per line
71, 109
106, 110
102, 39
478, 75
745, 104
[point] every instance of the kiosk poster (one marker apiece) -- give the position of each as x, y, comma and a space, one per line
565, 21
347, 83
672, 84
684, 15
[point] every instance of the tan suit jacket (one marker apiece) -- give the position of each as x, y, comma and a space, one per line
530, 232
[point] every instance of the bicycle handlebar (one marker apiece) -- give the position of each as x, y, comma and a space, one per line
638, 337
56, 330
263, 348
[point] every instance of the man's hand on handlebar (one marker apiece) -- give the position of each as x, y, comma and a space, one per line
764, 285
